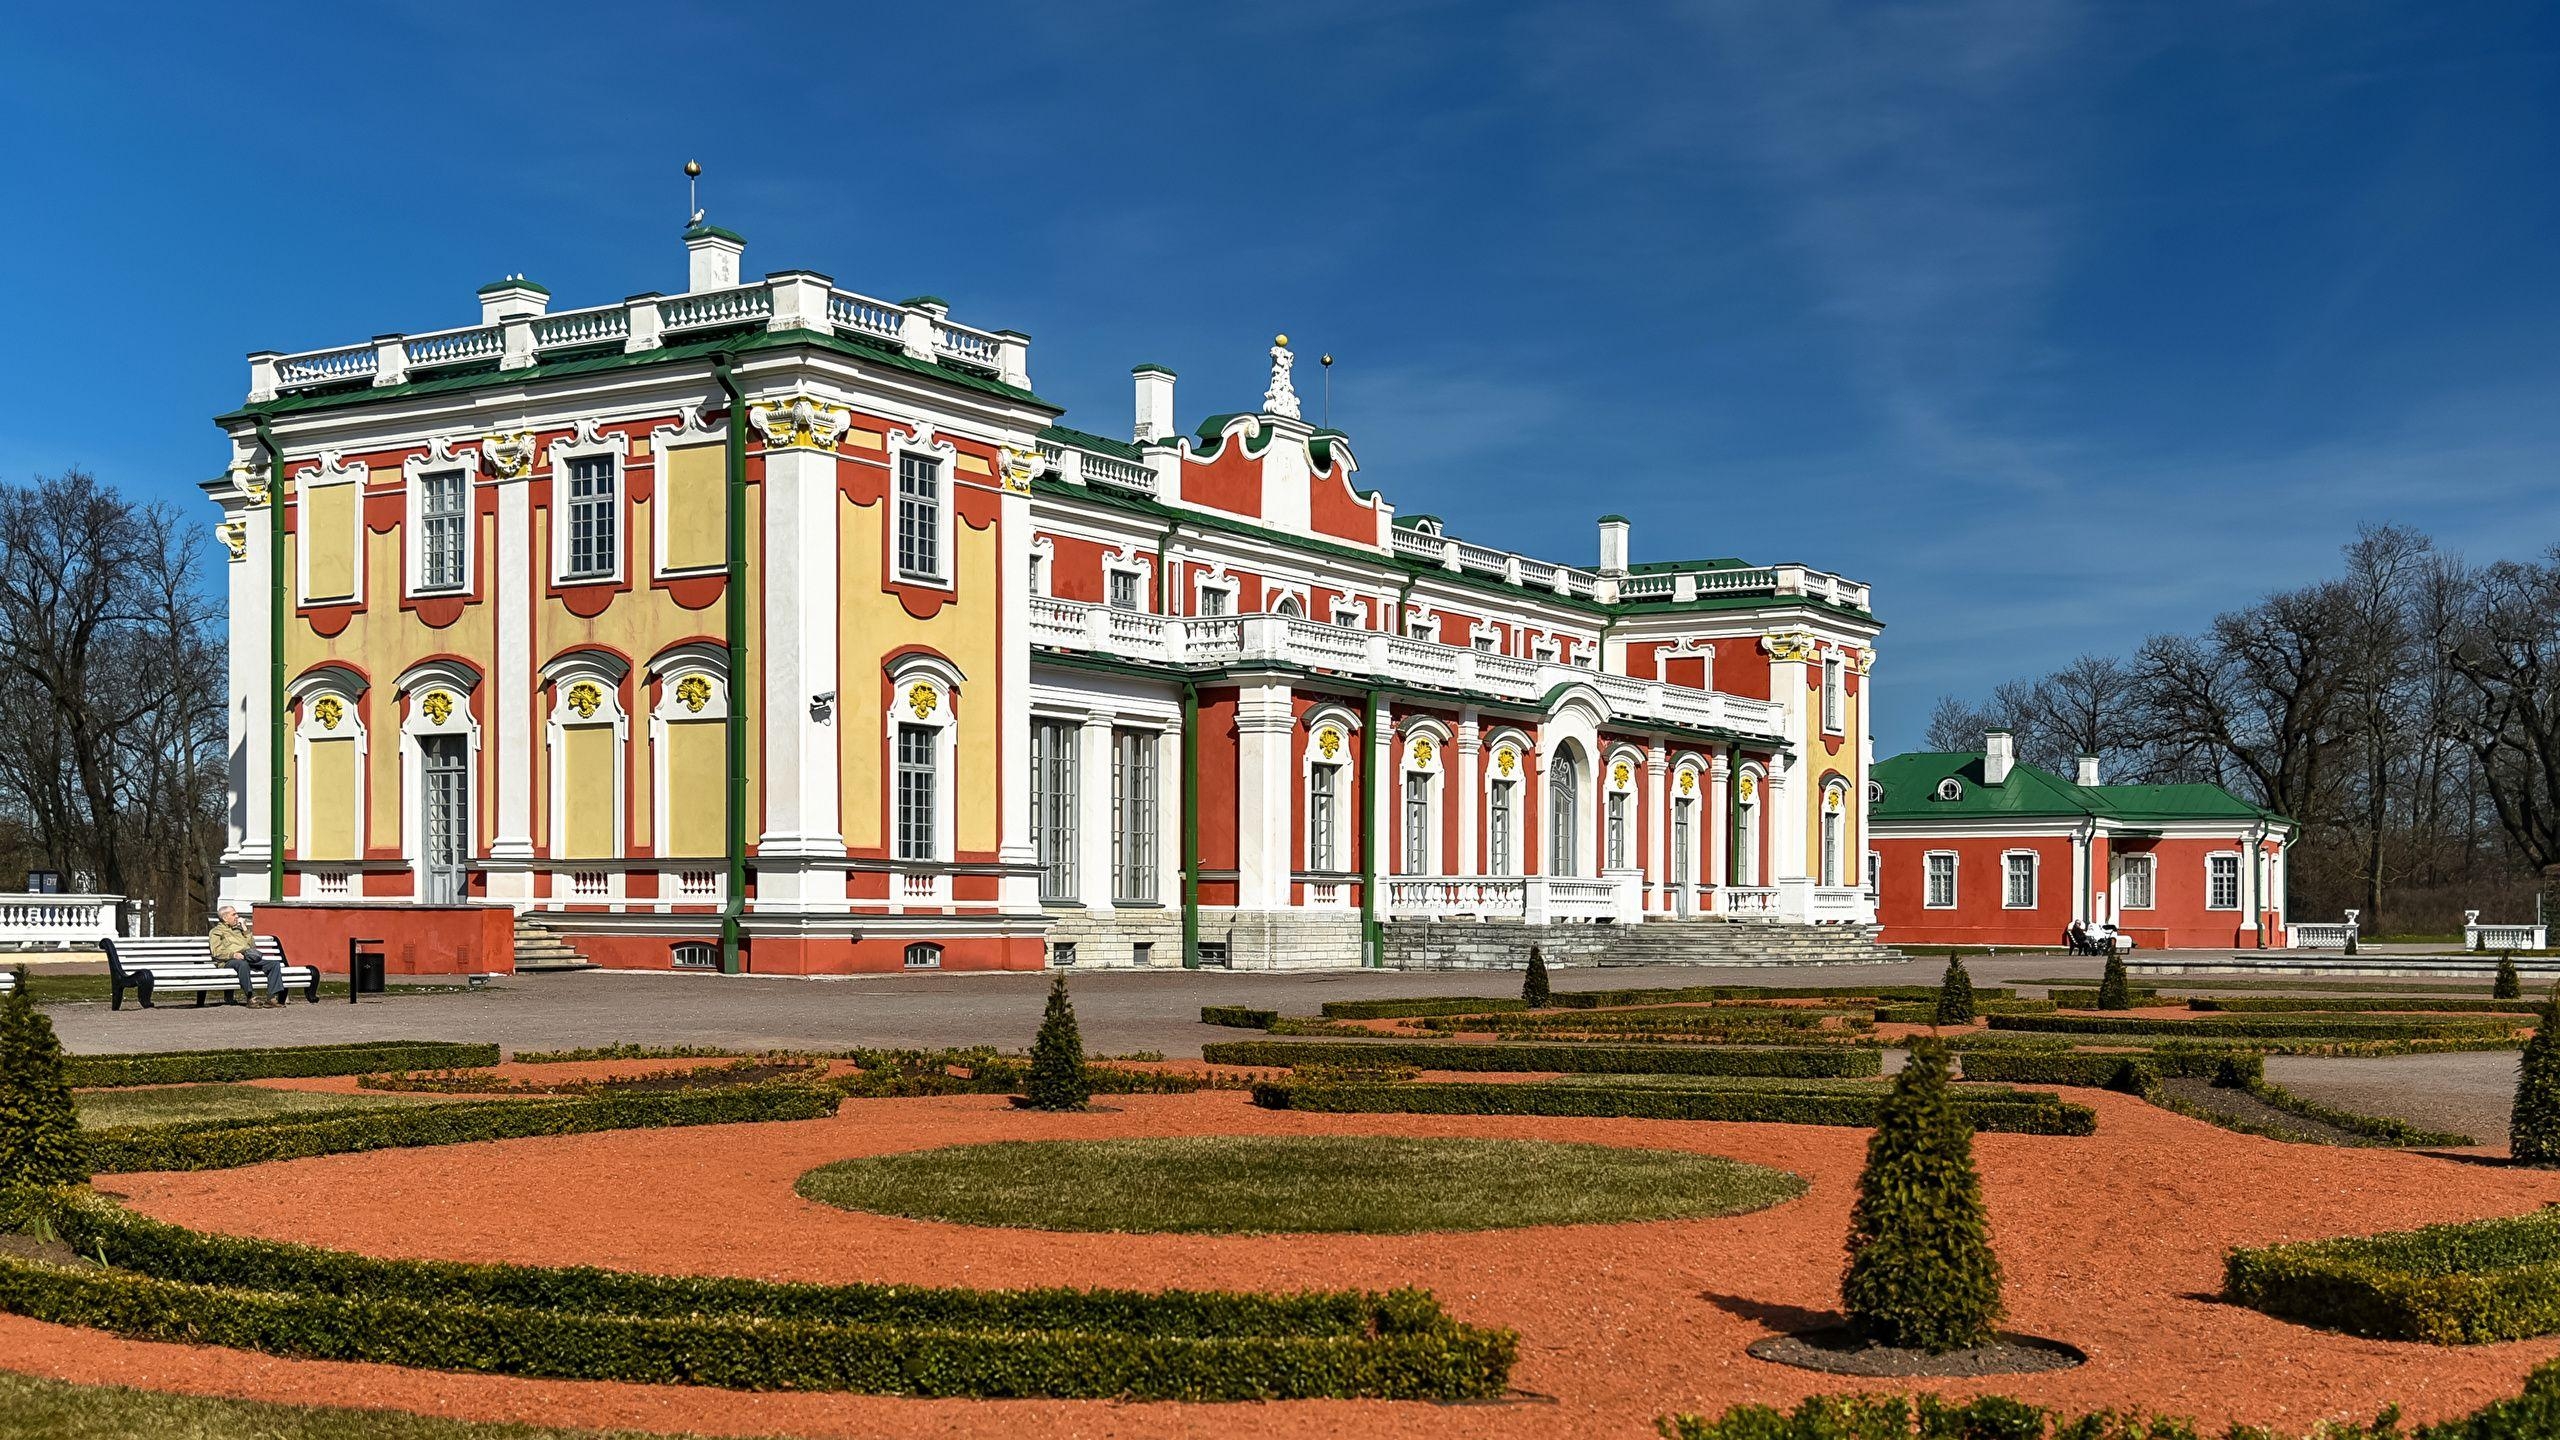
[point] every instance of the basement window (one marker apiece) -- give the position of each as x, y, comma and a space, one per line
697, 955
924, 955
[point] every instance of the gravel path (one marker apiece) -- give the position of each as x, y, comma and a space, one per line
2471, 1093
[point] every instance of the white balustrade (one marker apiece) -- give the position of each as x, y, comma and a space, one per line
714, 308
57, 921
2317, 936
973, 347
2476, 936
453, 347
698, 885
1740, 900
580, 327
861, 313
327, 367
1056, 622
1112, 470
1436, 896
1404, 541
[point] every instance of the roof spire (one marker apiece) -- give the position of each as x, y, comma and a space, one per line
1282, 398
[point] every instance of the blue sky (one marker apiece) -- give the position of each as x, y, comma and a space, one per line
2060, 324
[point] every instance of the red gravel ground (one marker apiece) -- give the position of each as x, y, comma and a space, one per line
2112, 1243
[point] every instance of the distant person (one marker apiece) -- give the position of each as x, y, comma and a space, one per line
231, 944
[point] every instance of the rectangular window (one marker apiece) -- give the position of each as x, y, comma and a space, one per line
2133, 882
1053, 806
1942, 880
1124, 589
1619, 805
593, 518
440, 531
1544, 650
1039, 575
1417, 824
2222, 882
1498, 826
919, 517
1875, 871
1347, 616
2020, 886
1216, 599
1142, 952
915, 793
1133, 817
1835, 704
1322, 784
1483, 641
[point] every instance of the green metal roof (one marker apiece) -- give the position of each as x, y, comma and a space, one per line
1909, 785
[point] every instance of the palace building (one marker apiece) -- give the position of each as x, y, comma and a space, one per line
1981, 848
770, 626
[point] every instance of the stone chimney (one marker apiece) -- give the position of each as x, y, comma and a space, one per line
714, 255
2088, 769
1155, 404
514, 295
1613, 544
1999, 752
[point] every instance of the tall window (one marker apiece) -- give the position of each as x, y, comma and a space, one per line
1875, 872
1835, 704
2133, 882
1564, 804
1498, 827
1619, 804
2019, 888
1940, 868
1746, 831
1417, 823
1124, 589
1682, 846
1324, 784
592, 517
440, 522
919, 517
1835, 832
2222, 882
1133, 817
915, 792
1053, 806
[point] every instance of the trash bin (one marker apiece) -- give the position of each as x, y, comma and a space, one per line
364, 969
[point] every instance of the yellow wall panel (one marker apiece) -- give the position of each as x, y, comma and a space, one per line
693, 486
586, 758
333, 800
697, 790
329, 516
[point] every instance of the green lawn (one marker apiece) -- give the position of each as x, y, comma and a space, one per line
168, 1104
32, 1409
1247, 1185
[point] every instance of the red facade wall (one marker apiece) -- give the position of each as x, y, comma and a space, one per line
416, 939
1333, 509
1978, 918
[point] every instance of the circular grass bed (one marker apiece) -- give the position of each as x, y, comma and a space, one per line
1245, 1185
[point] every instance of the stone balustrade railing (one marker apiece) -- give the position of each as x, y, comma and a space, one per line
29, 921
791, 300
1681, 586
1223, 640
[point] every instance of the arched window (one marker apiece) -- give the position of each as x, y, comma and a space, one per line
1835, 832
1329, 743
1502, 806
1419, 816
1564, 813
440, 743
1746, 828
924, 955
1288, 605
1618, 848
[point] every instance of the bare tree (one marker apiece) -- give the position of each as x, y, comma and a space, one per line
2508, 654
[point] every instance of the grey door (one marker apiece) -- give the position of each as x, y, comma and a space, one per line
1682, 888
445, 773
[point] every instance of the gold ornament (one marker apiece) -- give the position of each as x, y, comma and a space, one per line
1329, 742
693, 692
1749, 787
329, 711
584, 698
1506, 760
1016, 467
510, 453
1790, 646
1422, 753
235, 537
921, 698
1621, 775
1688, 782
438, 706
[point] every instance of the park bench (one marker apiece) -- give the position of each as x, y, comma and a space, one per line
183, 962
8, 982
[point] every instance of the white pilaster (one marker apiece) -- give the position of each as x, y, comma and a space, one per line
1386, 780
1719, 826
249, 719
1169, 816
1095, 884
1657, 849
1019, 892
799, 653
1265, 837
1465, 783
514, 574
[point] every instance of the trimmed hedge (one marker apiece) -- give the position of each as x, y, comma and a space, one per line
1607, 999
1928, 1014
1578, 1059
748, 1335
194, 1067
223, 1144
2131, 1074
2239, 1004
2024, 1112
1238, 1017
2446, 1284
2088, 999
2341, 1027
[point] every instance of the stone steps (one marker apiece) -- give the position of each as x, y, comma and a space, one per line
1469, 945
538, 949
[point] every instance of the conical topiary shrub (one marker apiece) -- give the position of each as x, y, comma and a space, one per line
2114, 991
1533, 989
1955, 994
2510, 985
39, 1133
2534, 1129
1057, 1057
1921, 1272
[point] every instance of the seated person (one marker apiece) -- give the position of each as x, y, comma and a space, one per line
230, 943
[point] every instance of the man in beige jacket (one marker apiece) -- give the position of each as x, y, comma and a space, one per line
231, 944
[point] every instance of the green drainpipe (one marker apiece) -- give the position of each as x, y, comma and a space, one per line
734, 610
1372, 940
1190, 826
279, 598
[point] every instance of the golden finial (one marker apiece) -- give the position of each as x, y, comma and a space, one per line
693, 169
1325, 359
1279, 339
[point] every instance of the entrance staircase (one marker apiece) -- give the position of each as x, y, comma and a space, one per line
539, 948
1500, 944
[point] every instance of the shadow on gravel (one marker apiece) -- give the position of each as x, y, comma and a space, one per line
1785, 1319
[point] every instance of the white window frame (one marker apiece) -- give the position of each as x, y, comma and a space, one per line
330, 471
2008, 879
1114, 575
606, 673
1748, 812
1835, 698
1205, 586
671, 668
1546, 652
1350, 614
922, 955
1483, 640
2239, 886
945, 515
2121, 867
409, 694
1276, 596
1324, 830
663, 442
940, 718
343, 686
1137, 806
439, 459
1063, 801
589, 444
1928, 880
1875, 872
